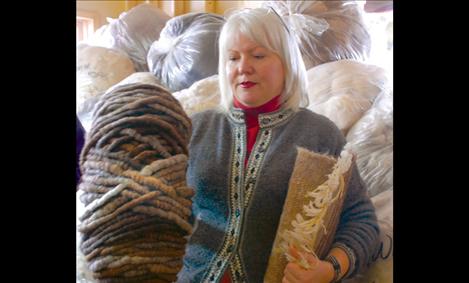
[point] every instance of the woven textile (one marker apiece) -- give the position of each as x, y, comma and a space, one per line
314, 200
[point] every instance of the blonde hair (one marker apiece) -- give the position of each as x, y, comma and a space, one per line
266, 28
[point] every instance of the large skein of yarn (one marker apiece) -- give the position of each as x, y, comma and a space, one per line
187, 50
137, 206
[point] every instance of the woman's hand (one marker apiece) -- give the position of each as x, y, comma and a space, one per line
321, 271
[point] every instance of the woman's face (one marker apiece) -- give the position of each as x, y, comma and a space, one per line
256, 74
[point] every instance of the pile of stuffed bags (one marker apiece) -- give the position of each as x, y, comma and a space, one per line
178, 51
334, 41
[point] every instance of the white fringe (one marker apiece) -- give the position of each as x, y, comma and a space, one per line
309, 223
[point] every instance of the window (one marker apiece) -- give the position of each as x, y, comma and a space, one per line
85, 28
380, 27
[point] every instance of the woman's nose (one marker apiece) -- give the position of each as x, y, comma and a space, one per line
245, 66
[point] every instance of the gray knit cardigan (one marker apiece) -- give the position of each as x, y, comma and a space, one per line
237, 209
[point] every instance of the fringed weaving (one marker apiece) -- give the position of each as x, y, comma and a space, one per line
311, 210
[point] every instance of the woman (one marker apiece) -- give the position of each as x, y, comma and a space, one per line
242, 157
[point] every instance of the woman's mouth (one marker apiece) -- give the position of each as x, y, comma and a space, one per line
247, 84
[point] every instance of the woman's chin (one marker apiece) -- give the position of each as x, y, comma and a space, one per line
250, 102
248, 99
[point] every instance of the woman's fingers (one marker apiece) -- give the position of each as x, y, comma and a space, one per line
294, 252
292, 272
311, 259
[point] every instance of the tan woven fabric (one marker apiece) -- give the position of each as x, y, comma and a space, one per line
310, 171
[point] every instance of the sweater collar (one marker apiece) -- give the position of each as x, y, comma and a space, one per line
268, 114
251, 114
270, 106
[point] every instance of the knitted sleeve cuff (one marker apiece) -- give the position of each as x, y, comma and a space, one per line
350, 255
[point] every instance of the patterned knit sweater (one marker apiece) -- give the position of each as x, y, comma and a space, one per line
237, 210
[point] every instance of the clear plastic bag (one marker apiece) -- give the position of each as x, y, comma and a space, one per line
138, 77
381, 268
187, 50
325, 30
202, 95
98, 68
102, 36
344, 90
371, 138
133, 32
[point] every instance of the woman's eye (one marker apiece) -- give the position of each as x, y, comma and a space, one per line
232, 58
259, 56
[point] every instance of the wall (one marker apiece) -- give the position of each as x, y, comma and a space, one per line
100, 10
194, 6
176, 8
223, 6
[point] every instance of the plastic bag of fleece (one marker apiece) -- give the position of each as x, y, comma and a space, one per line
381, 268
201, 95
187, 50
138, 77
344, 90
133, 32
371, 139
325, 30
98, 68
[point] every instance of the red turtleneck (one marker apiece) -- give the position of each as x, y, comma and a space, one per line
252, 128
252, 121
